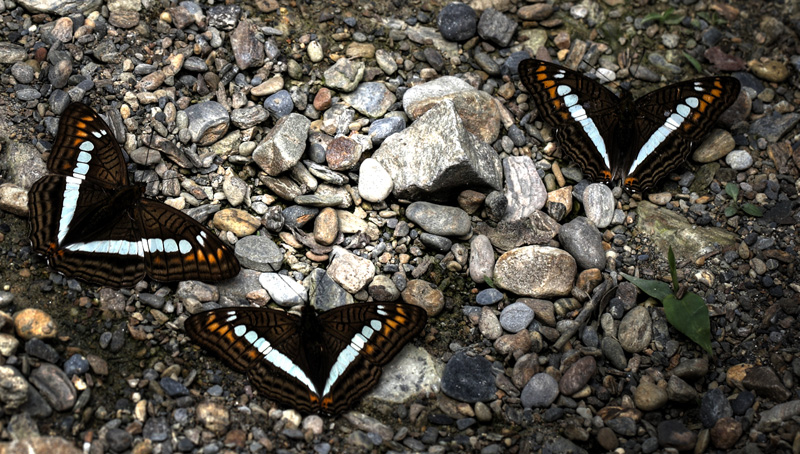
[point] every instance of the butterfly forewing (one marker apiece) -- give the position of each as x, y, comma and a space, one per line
670, 122
86, 146
581, 111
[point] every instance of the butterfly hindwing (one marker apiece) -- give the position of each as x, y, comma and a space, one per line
582, 112
670, 122
178, 246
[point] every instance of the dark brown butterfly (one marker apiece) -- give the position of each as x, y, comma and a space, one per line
93, 225
315, 363
618, 138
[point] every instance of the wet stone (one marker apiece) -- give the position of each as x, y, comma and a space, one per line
39, 349
469, 379
280, 104
540, 391
577, 376
173, 388
118, 440
495, 27
382, 128
516, 317
584, 242
635, 330
489, 296
156, 429
673, 433
76, 365
713, 406
55, 386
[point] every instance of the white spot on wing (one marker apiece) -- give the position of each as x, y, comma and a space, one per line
170, 245
184, 246
239, 330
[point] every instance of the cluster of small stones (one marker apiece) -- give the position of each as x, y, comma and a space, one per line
367, 158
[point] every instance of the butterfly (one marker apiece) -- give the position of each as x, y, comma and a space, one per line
312, 362
93, 225
618, 138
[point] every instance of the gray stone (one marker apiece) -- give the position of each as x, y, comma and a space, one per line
525, 190
540, 391
584, 242
439, 219
344, 75
536, 271
372, 99
495, 27
284, 145
436, 157
457, 22
469, 379
284, 290
516, 317
208, 121
259, 253
598, 202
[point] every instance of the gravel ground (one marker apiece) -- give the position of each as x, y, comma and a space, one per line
387, 151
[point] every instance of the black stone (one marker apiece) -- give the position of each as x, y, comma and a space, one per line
469, 379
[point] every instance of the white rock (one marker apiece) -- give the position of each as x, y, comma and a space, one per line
374, 182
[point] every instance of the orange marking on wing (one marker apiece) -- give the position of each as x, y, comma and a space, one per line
606, 175
252, 354
212, 259
230, 338
548, 83
717, 93
553, 94
189, 257
631, 181
393, 324
158, 260
541, 68
708, 98
326, 402
200, 256
687, 126
386, 330
702, 107
369, 349
213, 326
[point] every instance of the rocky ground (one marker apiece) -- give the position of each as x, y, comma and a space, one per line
384, 151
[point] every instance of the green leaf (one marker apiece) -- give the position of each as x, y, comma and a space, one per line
690, 316
657, 289
692, 61
658, 17
752, 210
673, 19
673, 272
489, 281
732, 189
731, 210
